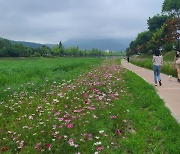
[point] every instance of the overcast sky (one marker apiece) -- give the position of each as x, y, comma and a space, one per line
51, 21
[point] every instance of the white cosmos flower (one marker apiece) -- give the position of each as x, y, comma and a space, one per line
101, 131
56, 100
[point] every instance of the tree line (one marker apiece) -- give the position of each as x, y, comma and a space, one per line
163, 31
8, 49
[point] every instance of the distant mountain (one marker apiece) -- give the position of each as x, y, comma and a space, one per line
101, 44
30, 44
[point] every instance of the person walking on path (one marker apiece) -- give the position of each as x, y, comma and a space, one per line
128, 59
177, 64
157, 64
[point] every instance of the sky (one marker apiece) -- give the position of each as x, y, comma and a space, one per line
51, 21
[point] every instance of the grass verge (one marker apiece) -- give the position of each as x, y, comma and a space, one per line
156, 131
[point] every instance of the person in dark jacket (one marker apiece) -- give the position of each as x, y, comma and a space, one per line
128, 59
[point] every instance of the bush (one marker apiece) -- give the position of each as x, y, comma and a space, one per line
167, 68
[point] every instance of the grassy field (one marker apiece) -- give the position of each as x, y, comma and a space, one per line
146, 62
18, 74
106, 109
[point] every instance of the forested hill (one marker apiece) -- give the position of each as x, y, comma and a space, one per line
21, 49
100, 44
30, 44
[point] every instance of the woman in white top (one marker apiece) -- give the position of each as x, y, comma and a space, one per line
157, 63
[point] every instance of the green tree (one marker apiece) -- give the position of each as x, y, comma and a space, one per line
5, 45
139, 44
142, 40
156, 40
156, 22
172, 7
56, 50
171, 33
61, 48
44, 50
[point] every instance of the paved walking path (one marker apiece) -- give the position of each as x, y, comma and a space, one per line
169, 91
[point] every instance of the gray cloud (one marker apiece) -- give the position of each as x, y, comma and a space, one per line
50, 21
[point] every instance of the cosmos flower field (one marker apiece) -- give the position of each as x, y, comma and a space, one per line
87, 113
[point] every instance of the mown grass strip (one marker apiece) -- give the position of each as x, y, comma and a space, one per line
156, 131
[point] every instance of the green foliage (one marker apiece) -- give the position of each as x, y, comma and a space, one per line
162, 31
7, 49
170, 30
156, 22
172, 7
167, 68
168, 56
139, 44
56, 50
156, 40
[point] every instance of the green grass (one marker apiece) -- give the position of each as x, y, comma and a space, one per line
156, 130
106, 109
169, 56
19, 73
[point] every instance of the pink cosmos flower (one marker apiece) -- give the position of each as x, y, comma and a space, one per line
60, 126
91, 108
85, 95
57, 113
70, 126
71, 142
48, 146
119, 132
74, 117
37, 147
4, 149
100, 148
113, 117
59, 137
67, 120
89, 138
87, 101
60, 119
99, 93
